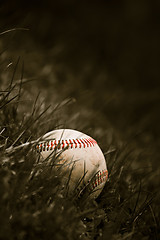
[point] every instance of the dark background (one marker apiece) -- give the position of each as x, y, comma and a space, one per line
105, 54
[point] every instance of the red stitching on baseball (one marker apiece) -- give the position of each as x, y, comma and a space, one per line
93, 141
99, 178
83, 143
61, 144
90, 141
67, 144
55, 143
44, 147
75, 143
70, 141
85, 140
48, 146
79, 143
52, 145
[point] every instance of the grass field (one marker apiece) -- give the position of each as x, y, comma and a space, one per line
93, 68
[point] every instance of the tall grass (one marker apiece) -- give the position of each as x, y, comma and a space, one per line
32, 198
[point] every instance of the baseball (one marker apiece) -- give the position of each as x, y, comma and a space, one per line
79, 157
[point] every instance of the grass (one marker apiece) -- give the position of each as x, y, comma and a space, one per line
32, 197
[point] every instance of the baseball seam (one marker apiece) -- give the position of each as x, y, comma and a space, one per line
99, 178
65, 144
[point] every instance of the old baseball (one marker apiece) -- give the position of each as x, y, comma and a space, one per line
79, 157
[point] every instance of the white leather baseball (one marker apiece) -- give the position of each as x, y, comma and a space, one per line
79, 156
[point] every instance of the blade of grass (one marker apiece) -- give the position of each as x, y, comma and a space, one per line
137, 200
143, 207
154, 220
14, 29
34, 105
8, 101
8, 93
14, 72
